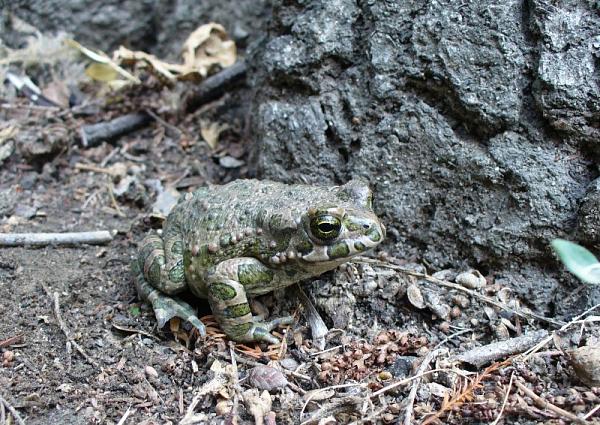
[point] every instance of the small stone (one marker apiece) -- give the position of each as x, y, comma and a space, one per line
195, 250
7, 358
230, 162
223, 407
259, 231
289, 363
388, 418
455, 312
275, 259
415, 296
586, 364
151, 372
471, 279
272, 244
267, 378
212, 247
25, 211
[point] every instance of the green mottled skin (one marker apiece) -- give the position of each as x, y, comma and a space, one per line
247, 238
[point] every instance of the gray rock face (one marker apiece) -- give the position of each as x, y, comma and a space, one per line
567, 85
450, 110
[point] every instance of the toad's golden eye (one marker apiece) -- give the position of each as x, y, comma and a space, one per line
325, 227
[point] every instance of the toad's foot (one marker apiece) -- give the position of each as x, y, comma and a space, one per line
165, 307
260, 331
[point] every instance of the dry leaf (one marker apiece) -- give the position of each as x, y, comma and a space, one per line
210, 132
163, 69
205, 48
101, 72
58, 93
101, 57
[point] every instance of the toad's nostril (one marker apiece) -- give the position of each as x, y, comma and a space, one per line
366, 226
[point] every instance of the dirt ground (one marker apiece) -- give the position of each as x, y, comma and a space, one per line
77, 346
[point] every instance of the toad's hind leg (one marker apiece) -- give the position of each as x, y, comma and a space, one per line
158, 274
227, 285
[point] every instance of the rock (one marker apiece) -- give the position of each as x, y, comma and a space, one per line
6, 150
588, 225
25, 211
8, 199
38, 148
266, 378
444, 113
586, 364
567, 87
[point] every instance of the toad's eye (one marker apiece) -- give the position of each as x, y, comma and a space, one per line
325, 227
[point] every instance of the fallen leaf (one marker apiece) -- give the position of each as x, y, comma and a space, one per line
206, 47
101, 72
210, 132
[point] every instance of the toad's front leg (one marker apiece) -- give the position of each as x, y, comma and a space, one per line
227, 285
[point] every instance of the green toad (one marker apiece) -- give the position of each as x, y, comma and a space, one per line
247, 238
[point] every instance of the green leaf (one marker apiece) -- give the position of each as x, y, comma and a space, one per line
134, 310
578, 260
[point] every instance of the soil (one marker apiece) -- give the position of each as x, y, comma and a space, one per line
77, 345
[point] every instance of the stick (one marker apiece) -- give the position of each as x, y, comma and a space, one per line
410, 401
63, 327
528, 315
546, 340
480, 356
42, 239
17, 339
94, 134
544, 404
214, 86
317, 325
12, 411
125, 416
512, 375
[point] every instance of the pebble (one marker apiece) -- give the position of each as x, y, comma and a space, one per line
151, 372
267, 378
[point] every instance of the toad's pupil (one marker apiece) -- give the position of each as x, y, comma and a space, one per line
326, 227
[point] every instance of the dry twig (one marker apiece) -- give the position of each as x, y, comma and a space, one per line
17, 339
317, 325
480, 356
214, 86
12, 411
94, 134
512, 376
549, 338
42, 239
544, 404
237, 390
64, 328
125, 416
431, 356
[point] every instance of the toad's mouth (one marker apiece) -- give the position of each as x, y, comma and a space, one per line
342, 250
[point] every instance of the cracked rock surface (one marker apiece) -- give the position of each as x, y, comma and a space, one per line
473, 122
